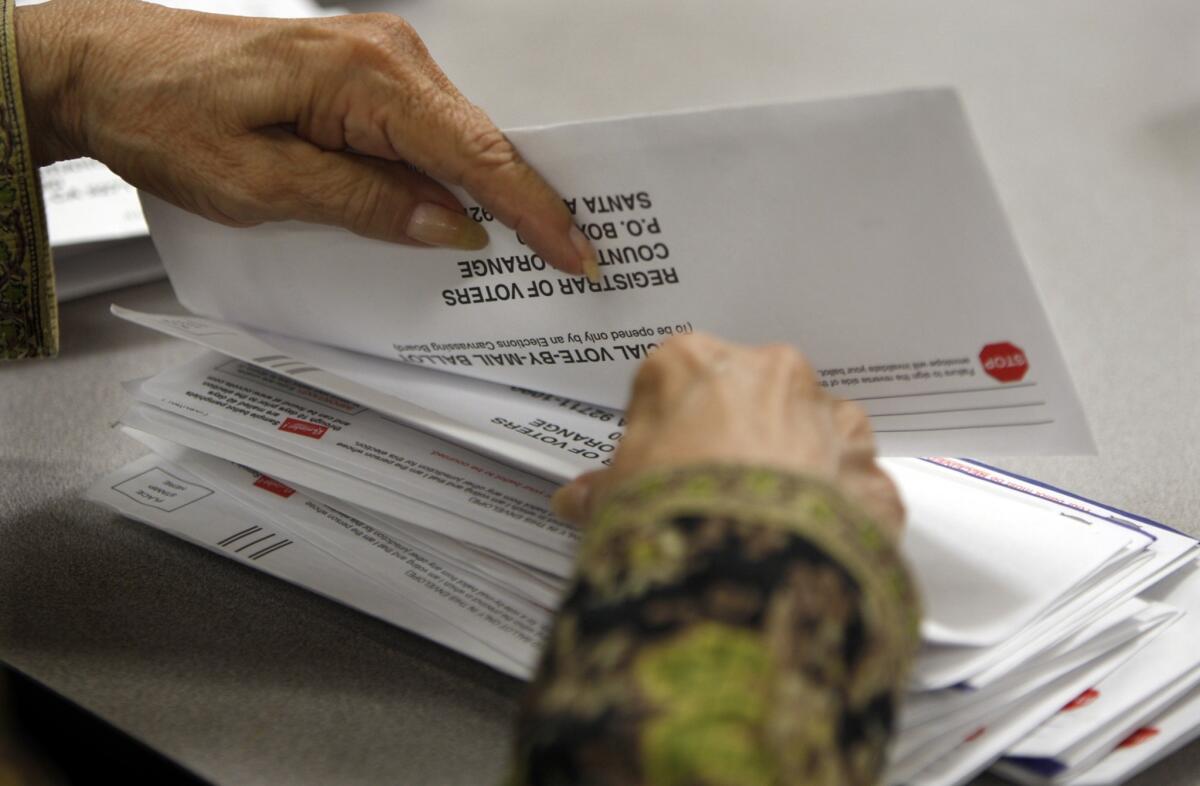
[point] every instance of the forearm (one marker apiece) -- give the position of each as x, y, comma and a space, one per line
727, 625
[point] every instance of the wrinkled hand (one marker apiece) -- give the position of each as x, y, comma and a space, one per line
251, 120
698, 399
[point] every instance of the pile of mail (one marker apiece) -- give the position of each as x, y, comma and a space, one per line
1058, 632
320, 438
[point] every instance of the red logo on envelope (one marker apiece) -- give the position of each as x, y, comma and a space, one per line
1004, 361
1138, 737
303, 428
274, 486
1082, 700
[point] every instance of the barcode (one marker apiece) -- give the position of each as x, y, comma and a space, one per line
252, 537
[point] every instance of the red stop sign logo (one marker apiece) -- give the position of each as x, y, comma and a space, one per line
1004, 361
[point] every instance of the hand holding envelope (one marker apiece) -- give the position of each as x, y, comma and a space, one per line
866, 234
699, 399
344, 121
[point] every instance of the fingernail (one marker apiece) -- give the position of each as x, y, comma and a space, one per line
439, 226
587, 255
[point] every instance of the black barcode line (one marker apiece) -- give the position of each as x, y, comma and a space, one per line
273, 547
238, 536
268, 536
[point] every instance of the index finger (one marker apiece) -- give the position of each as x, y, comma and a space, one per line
456, 142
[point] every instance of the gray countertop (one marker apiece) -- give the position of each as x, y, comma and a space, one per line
1089, 116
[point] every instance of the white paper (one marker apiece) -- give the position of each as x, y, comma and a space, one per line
1008, 565
207, 415
167, 498
87, 203
943, 666
458, 594
286, 415
1166, 552
474, 406
986, 743
1178, 726
930, 708
1170, 663
864, 230
299, 472
969, 600
289, 506
90, 268
939, 745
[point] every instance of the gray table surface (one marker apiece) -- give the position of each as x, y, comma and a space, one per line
1089, 116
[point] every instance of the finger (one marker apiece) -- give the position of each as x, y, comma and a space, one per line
785, 379
572, 503
393, 102
878, 497
374, 198
853, 423
456, 142
659, 380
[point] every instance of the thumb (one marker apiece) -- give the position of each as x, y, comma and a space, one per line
573, 502
371, 197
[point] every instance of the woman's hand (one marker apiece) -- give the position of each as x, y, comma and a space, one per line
698, 399
250, 120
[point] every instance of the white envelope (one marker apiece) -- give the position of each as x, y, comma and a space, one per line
1169, 664
198, 513
467, 412
992, 562
1159, 738
926, 709
479, 607
864, 230
277, 412
983, 745
920, 747
298, 472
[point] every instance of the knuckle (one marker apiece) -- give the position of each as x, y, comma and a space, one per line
854, 417
796, 360
390, 25
364, 208
684, 346
694, 343
886, 494
227, 213
487, 148
650, 374
655, 362
379, 40
264, 194
802, 370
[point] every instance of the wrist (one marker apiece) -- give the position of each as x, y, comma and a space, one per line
50, 63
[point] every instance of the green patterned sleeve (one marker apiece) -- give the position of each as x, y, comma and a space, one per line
28, 310
728, 626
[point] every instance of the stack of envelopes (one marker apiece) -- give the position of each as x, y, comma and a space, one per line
1058, 637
